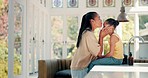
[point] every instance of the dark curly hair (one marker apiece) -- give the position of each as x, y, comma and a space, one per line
113, 22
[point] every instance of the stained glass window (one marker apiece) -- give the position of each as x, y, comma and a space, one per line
92, 3
57, 3
72, 3
108, 3
128, 3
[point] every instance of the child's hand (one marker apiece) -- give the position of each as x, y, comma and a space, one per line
100, 56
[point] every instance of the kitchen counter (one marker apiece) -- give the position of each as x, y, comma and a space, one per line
140, 60
138, 70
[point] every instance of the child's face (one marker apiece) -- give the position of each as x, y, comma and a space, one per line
108, 27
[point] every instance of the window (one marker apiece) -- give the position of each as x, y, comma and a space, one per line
3, 39
63, 37
128, 28
143, 22
143, 2
143, 26
72, 33
18, 21
57, 36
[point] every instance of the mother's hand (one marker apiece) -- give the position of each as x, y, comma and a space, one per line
104, 32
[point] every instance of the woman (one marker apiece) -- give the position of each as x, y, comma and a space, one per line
88, 48
115, 54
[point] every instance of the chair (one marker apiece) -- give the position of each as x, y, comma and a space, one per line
54, 68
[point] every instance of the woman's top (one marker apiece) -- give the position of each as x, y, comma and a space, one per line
86, 52
118, 52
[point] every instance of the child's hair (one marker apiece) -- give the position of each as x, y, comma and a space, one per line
113, 22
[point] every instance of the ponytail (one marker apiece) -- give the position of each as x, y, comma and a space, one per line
85, 25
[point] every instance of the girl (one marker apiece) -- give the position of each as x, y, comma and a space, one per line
115, 54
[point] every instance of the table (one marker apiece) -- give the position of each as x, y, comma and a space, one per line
123, 71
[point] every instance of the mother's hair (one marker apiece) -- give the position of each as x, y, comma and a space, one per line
85, 25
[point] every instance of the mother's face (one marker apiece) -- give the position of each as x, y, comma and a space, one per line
97, 21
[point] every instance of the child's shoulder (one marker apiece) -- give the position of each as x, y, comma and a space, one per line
115, 37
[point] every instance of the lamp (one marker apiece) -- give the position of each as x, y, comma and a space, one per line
122, 16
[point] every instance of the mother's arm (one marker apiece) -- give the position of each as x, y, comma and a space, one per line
101, 46
102, 34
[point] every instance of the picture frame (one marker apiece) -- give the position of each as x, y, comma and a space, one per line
128, 3
143, 2
92, 3
72, 3
57, 3
108, 3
